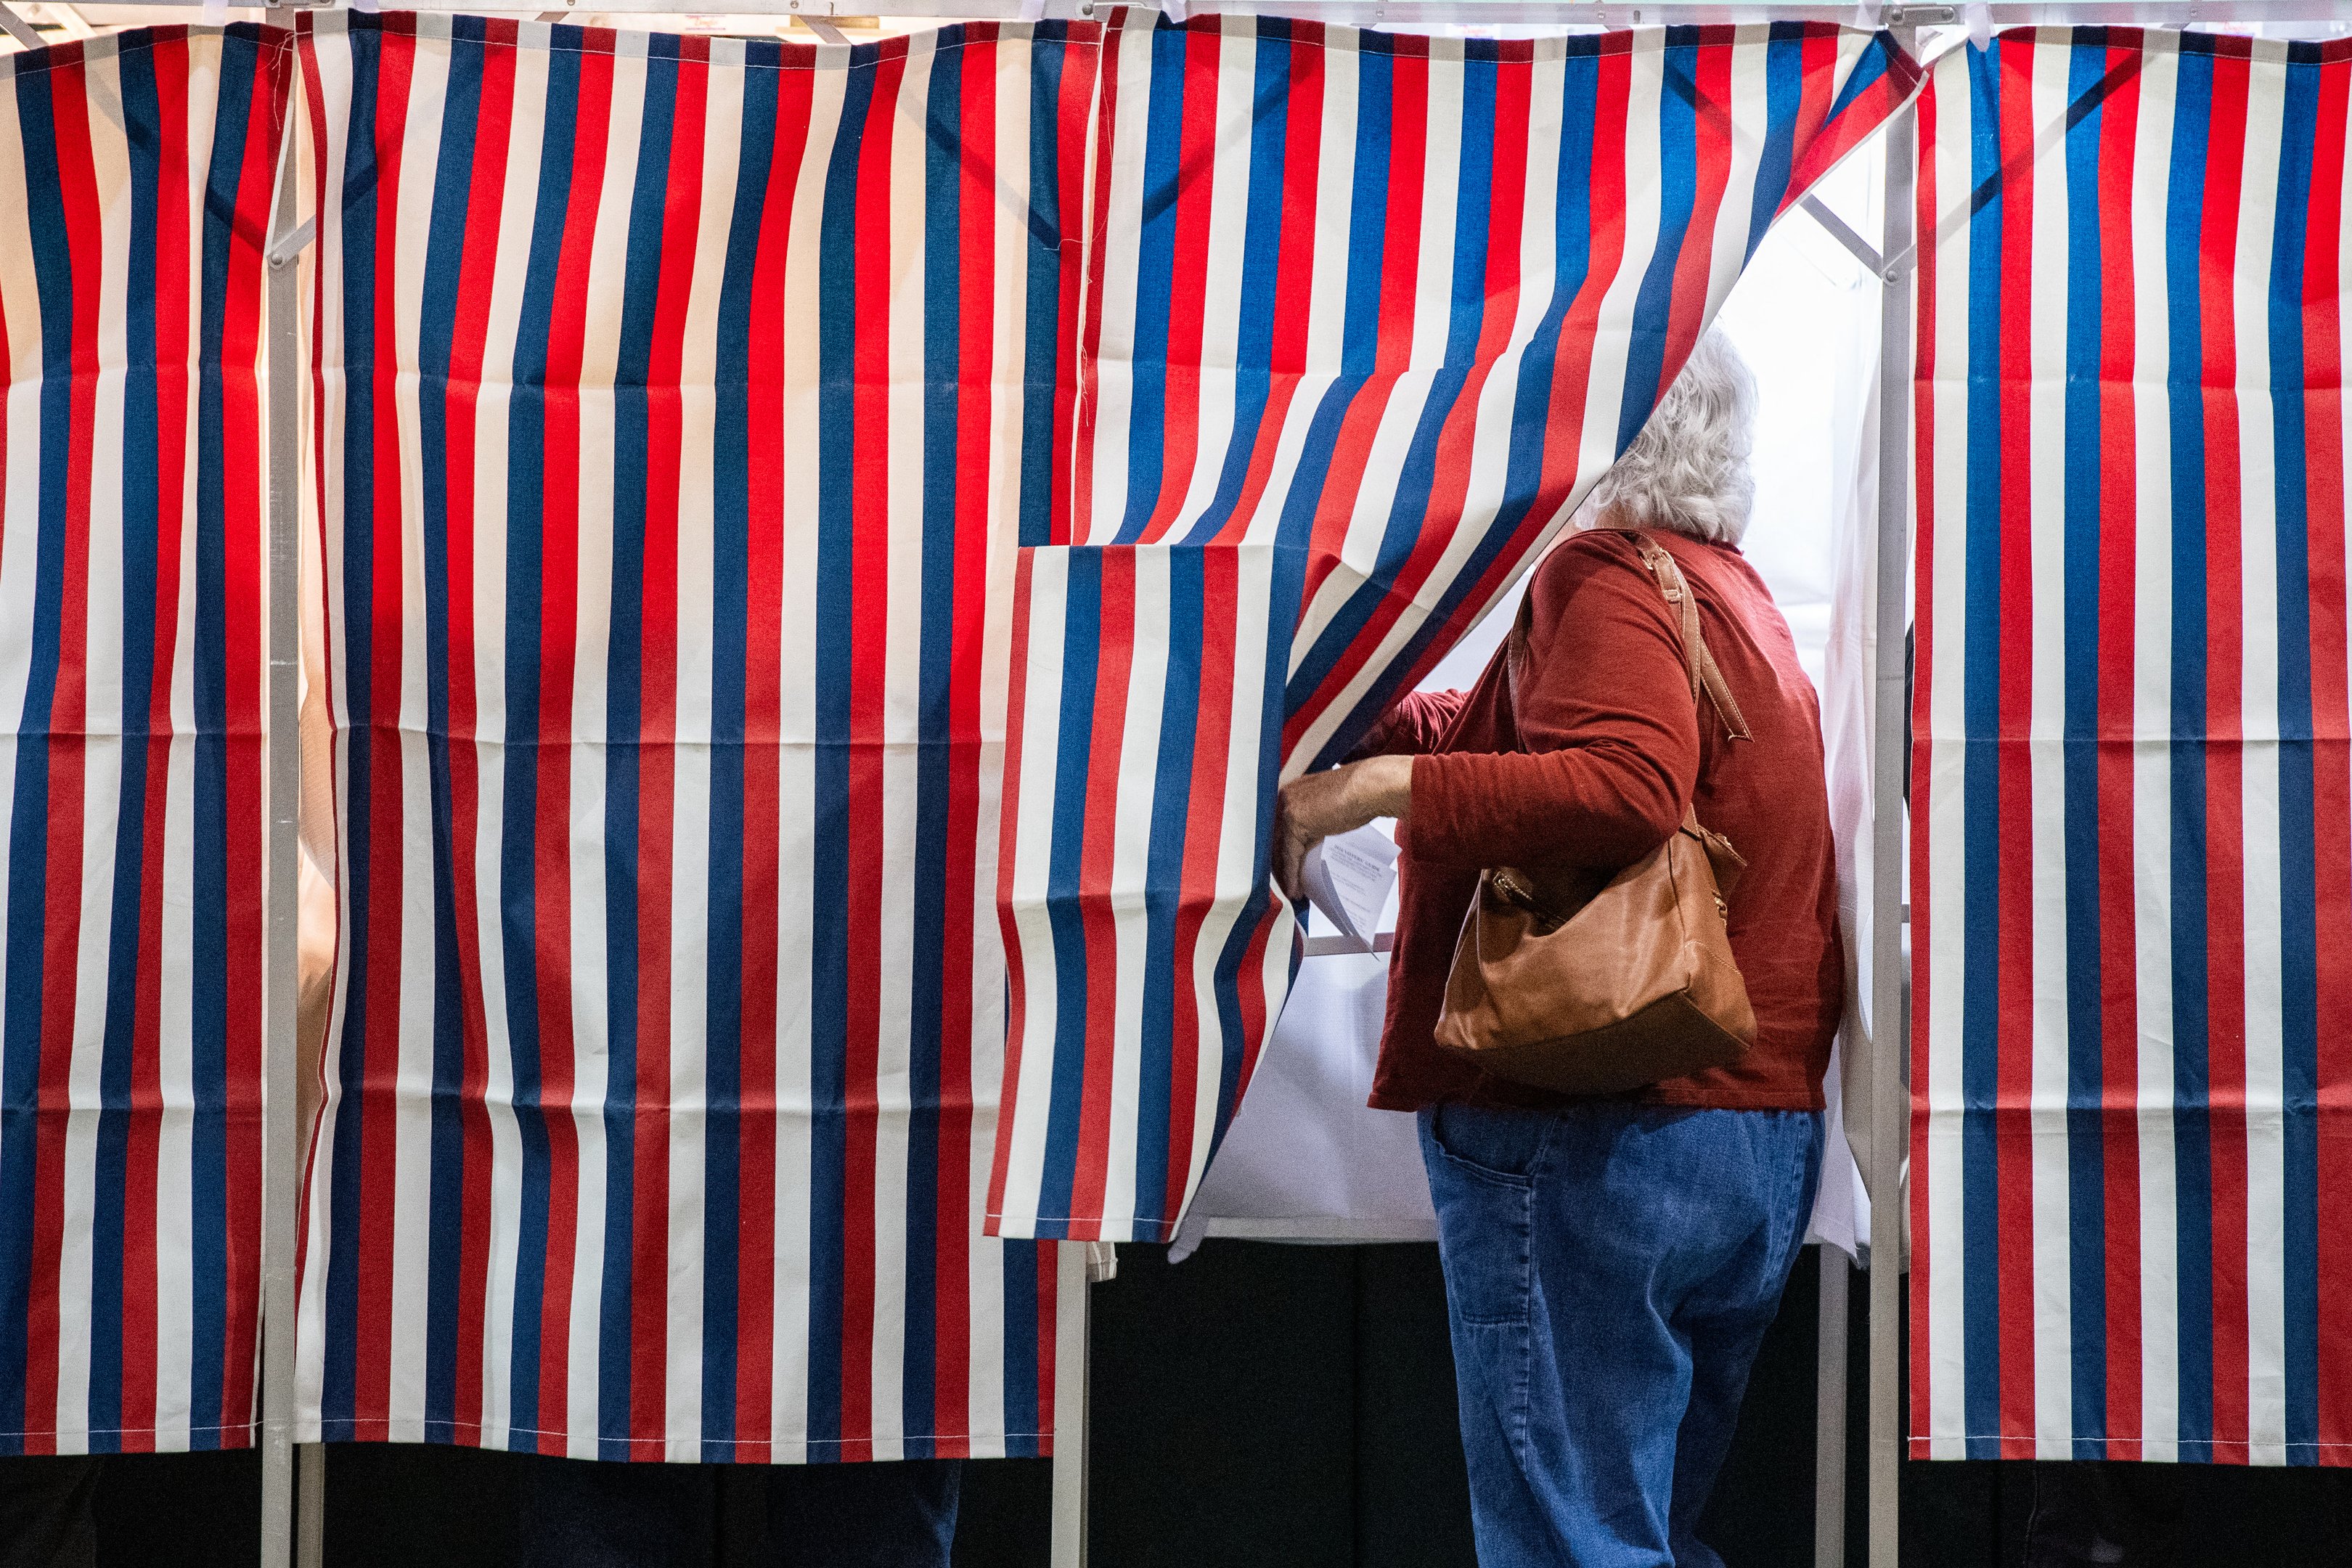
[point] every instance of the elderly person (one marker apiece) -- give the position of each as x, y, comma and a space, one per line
1611, 1264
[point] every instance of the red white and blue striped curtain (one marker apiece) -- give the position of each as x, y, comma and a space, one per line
2131, 1171
134, 188
680, 403
1364, 317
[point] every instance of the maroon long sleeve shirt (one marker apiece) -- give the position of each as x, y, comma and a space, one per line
1591, 772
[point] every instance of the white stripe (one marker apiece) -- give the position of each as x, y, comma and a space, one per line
2159, 1301
412, 1107
1139, 781
2053, 1253
591, 993
101, 662
1938, 1266
2266, 999
492, 411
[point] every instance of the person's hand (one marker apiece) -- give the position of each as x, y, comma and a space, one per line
1314, 806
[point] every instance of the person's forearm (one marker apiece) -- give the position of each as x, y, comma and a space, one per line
1381, 786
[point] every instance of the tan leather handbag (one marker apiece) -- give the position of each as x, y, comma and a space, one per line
1596, 992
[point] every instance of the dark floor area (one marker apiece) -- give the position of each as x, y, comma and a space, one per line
1258, 1406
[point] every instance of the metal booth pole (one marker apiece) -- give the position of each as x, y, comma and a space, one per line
1888, 1039
1889, 987
282, 1151
279, 1154
1078, 1266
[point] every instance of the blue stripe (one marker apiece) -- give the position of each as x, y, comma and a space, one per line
1981, 762
624, 726
1164, 178
1044, 343
209, 1001
141, 496
526, 498
445, 251
1181, 697
2298, 841
2192, 1140
829, 890
2085, 974
1024, 1413
1082, 641
730, 608
360, 177
1784, 95
1870, 68
28, 825
938, 750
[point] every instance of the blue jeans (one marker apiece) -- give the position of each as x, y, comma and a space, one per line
1610, 1271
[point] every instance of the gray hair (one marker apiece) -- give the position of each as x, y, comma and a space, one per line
1687, 470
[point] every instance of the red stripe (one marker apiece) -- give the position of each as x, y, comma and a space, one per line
763, 736
1044, 1258
2013, 1008
559, 595
1114, 661
1099, 139
243, 550
658, 762
379, 1085
868, 710
2331, 716
1016, 978
2117, 662
2225, 882
1203, 845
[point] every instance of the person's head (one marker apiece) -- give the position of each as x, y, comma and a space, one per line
1687, 470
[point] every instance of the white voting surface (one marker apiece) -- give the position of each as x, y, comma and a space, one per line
1307, 1159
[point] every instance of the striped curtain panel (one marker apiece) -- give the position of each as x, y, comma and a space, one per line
2132, 866
1364, 316
680, 404
135, 177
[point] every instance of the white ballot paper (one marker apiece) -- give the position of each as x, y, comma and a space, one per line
1347, 876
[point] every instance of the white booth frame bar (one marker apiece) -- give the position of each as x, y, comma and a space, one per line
292, 1518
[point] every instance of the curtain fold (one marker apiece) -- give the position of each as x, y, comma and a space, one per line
134, 191
1365, 316
2132, 868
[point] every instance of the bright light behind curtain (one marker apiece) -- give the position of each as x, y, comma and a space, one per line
1365, 315
2130, 1168
134, 191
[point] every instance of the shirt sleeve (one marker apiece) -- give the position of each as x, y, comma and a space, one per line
1609, 731
1411, 729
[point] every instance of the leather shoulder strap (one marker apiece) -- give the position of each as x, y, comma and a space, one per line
1704, 674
